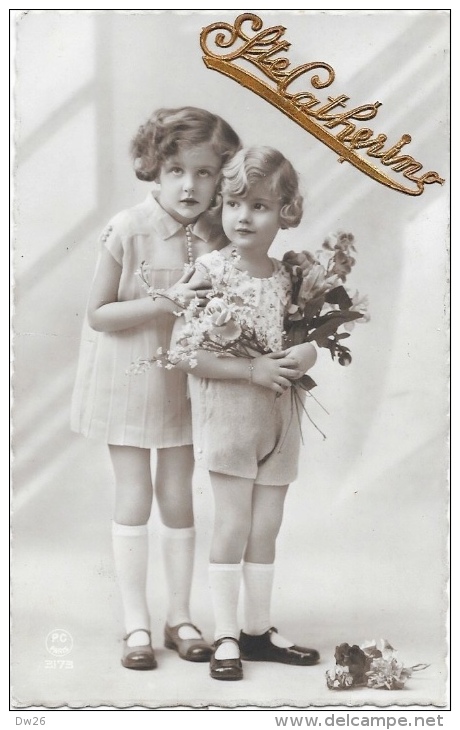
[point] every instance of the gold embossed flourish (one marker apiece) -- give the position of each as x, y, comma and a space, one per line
261, 51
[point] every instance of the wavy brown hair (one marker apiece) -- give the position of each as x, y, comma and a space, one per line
167, 130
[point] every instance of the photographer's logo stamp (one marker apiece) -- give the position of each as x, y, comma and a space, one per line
59, 643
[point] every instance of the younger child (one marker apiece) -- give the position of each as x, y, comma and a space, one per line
182, 150
244, 429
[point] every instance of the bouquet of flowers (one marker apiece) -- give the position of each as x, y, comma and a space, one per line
321, 304
373, 664
229, 323
226, 325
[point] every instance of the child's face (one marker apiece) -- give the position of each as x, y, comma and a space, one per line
251, 221
188, 181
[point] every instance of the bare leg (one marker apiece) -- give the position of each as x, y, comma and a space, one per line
133, 484
173, 486
232, 517
267, 516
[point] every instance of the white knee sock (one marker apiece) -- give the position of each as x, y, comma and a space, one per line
130, 550
178, 546
224, 582
258, 584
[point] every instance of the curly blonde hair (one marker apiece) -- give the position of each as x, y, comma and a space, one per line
252, 165
167, 130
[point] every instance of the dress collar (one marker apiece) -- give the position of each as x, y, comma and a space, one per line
168, 226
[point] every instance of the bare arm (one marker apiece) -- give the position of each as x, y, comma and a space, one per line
107, 314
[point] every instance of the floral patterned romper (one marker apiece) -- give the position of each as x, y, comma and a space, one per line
239, 428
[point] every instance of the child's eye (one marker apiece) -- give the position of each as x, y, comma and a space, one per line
232, 203
259, 206
176, 170
204, 173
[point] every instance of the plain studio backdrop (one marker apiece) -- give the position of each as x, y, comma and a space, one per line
362, 551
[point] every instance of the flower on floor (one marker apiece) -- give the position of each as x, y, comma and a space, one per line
373, 664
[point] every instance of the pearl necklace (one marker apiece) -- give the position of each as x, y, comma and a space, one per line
190, 260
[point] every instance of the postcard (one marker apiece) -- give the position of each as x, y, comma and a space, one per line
303, 157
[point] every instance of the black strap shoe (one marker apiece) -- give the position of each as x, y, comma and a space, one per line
229, 669
261, 649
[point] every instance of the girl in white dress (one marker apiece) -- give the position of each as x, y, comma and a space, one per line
182, 150
244, 429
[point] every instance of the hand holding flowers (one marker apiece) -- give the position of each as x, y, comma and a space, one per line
228, 322
183, 293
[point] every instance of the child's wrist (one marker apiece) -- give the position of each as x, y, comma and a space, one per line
156, 294
167, 299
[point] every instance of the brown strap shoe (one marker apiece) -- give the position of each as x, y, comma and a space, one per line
193, 650
138, 657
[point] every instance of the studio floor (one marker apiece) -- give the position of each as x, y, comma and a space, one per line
64, 581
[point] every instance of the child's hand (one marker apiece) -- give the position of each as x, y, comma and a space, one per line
304, 357
275, 371
190, 287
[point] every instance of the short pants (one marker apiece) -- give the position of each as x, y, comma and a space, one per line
245, 430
